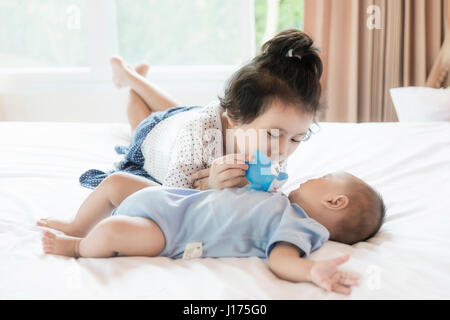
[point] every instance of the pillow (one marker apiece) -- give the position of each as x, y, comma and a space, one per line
418, 104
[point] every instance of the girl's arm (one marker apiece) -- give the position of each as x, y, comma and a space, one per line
286, 263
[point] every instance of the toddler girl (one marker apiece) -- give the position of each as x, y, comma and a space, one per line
272, 101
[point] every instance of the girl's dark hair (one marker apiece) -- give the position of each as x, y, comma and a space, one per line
288, 68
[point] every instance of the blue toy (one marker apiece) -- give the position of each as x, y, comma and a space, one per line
263, 174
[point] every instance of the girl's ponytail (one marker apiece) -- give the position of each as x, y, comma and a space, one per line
293, 44
288, 68
292, 57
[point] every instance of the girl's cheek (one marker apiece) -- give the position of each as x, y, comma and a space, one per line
281, 150
269, 148
265, 148
247, 144
291, 150
273, 149
294, 146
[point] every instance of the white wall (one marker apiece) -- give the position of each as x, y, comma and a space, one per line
96, 103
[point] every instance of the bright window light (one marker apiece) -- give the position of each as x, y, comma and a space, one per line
273, 16
43, 34
52, 34
180, 32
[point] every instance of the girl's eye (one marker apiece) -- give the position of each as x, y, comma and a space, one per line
272, 135
298, 139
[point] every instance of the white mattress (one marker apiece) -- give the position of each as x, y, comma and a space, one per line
409, 258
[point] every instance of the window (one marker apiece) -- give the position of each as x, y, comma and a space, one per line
42, 34
180, 32
148, 29
54, 43
73, 33
273, 16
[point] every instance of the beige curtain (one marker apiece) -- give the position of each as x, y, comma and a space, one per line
370, 46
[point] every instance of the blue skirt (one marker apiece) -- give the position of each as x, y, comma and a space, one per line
133, 159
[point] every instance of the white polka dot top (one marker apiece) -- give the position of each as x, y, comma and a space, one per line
184, 144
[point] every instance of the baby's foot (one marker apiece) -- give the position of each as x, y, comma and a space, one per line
121, 71
59, 225
60, 245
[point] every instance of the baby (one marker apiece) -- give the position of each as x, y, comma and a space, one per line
234, 222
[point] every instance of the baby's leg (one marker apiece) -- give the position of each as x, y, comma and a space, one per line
99, 204
130, 236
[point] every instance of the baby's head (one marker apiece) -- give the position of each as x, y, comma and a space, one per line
347, 206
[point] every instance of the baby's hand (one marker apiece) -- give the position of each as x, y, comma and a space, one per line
326, 275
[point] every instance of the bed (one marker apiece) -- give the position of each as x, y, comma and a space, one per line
408, 163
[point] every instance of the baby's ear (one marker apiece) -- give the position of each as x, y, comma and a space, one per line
336, 202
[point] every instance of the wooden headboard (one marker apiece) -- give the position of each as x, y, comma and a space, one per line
439, 74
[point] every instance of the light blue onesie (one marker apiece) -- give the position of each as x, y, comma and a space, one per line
233, 222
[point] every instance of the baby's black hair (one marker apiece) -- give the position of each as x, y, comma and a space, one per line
287, 68
380, 213
368, 213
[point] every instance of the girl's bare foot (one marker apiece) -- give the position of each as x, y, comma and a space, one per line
121, 71
142, 68
60, 245
66, 227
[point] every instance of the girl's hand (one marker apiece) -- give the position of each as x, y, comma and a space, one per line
326, 275
227, 171
200, 179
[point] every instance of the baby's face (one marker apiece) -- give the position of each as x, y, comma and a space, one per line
325, 199
337, 182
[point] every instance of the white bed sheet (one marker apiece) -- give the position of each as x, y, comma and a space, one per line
409, 163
